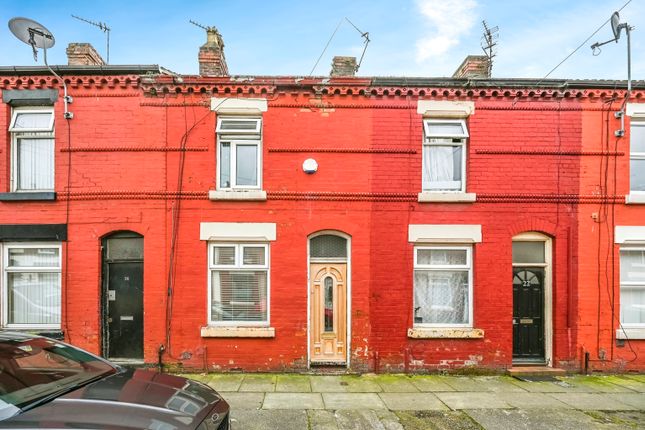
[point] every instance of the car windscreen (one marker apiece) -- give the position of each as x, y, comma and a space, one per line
33, 369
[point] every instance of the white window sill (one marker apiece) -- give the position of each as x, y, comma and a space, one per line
631, 333
445, 333
212, 331
240, 195
635, 199
446, 197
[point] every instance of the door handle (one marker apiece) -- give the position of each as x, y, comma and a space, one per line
514, 321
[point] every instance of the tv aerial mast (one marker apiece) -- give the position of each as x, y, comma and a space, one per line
101, 26
488, 44
37, 36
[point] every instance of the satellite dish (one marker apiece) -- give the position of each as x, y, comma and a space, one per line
31, 33
615, 25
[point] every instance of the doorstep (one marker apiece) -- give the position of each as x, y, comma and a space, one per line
524, 370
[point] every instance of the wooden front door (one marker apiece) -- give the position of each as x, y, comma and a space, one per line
528, 313
328, 316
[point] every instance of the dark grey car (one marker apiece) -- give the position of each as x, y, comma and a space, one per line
48, 384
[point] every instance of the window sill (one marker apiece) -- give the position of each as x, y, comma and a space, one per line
27, 196
212, 331
445, 333
239, 195
54, 333
635, 199
631, 333
431, 196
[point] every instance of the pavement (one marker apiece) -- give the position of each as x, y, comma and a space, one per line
415, 402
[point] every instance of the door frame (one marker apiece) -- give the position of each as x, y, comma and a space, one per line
533, 236
348, 290
105, 279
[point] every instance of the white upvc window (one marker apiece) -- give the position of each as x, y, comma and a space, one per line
31, 287
632, 287
32, 149
637, 156
238, 292
444, 155
443, 286
239, 153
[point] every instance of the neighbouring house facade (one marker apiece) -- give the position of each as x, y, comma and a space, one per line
279, 223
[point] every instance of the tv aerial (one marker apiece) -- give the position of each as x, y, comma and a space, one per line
488, 44
617, 28
364, 35
101, 26
37, 36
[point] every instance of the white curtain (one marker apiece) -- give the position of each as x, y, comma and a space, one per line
441, 297
439, 168
35, 164
34, 298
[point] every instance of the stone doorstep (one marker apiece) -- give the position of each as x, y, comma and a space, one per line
535, 371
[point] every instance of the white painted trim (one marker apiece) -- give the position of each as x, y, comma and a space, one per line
635, 109
348, 307
629, 234
630, 333
635, 198
445, 333
446, 197
548, 287
211, 331
238, 106
238, 195
237, 231
444, 233
445, 109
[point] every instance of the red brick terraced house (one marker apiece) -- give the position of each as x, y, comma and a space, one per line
282, 223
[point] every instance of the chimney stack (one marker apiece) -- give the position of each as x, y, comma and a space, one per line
473, 66
211, 55
343, 66
83, 54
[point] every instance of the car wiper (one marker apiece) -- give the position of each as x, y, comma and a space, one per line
60, 392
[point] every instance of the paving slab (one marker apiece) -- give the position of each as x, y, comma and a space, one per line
352, 401
412, 401
244, 400
464, 400
436, 420
293, 401
636, 400
258, 383
431, 383
225, 382
343, 384
245, 419
534, 419
532, 401
322, 420
293, 384
590, 401
466, 384
545, 387
396, 383
640, 377
627, 382
367, 420
600, 384
499, 384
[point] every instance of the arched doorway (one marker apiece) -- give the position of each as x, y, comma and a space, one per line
532, 299
328, 298
122, 298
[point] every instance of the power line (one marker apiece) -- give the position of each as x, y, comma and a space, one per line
581, 45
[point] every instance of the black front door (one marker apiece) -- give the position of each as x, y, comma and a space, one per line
123, 297
528, 313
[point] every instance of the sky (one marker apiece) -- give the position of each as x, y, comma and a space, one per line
281, 37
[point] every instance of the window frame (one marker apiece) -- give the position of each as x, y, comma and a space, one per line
238, 266
447, 140
636, 121
237, 138
4, 250
32, 134
629, 285
468, 267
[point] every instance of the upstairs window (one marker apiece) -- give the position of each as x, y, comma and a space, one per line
637, 156
239, 161
444, 155
32, 149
